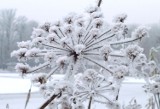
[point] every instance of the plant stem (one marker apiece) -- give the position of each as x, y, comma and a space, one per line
52, 71
46, 103
99, 3
156, 101
54, 47
98, 64
100, 41
90, 101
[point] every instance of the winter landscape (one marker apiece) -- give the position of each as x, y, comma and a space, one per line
16, 96
81, 59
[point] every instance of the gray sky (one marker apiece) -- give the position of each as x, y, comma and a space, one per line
139, 11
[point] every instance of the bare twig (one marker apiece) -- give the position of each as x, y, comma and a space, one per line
46, 103
99, 3
90, 101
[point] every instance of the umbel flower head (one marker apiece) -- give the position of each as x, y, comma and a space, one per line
70, 45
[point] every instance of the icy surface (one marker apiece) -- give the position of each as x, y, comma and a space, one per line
13, 91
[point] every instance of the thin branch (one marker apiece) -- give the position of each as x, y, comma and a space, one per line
156, 101
54, 47
39, 67
98, 64
91, 53
90, 21
69, 47
46, 103
58, 35
90, 101
92, 49
102, 102
104, 33
85, 37
100, 41
88, 43
116, 55
61, 32
125, 41
99, 3
52, 71
117, 95
106, 85
105, 97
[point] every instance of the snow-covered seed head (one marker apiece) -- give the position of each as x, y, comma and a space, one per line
37, 41
105, 51
37, 32
61, 61
80, 23
94, 32
120, 72
133, 105
152, 64
22, 68
20, 54
96, 15
64, 41
156, 78
89, 75
152, 88
80, 32
50, 56
39, 79
92, 9
120, 18
57, 23
69, 19
113, 105
132, 51
51, 38
98, 23
24, 44
63, 86
141, 59
32, 52
68, 29
79, 48
46, 26
120, 28
53, 29
140, 32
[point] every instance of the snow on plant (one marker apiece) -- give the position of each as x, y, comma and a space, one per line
76, 41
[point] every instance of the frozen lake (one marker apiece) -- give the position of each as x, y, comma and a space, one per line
13, 91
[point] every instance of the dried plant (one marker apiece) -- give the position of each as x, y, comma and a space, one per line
69, 45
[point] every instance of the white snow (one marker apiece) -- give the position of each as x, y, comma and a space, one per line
14, 89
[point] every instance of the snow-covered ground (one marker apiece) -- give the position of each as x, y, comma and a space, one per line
13, 91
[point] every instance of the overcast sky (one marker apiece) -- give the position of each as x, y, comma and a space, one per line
139, 11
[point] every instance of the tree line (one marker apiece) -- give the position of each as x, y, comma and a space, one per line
13, 29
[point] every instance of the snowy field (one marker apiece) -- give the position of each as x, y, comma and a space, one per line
13, 91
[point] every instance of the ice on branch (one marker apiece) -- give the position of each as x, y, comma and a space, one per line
132, 51
37, 33
61, 61
32, 52
22, 68
19, 54
120, 18
140, 32
24, 44
39, 79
